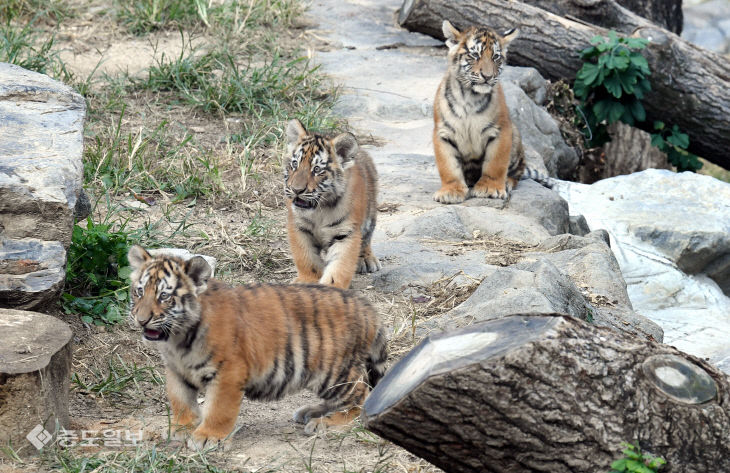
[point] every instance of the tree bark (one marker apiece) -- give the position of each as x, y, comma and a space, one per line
530, 393
690, 85
665, 13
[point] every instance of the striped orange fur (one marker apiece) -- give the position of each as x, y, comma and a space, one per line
478, 150
331, 189
264, 341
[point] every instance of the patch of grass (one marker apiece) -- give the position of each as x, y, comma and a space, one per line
53, 10
149, 160
146, 459
30, 48
144, 16
118, 378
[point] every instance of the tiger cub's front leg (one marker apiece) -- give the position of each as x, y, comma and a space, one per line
305, 253
493, 182
453, 186
220, 410
341, 260
182, 404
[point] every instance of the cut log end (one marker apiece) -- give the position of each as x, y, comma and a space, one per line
445, 352
681, 380
35, 366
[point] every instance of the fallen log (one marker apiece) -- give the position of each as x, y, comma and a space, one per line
690, 85
535, 393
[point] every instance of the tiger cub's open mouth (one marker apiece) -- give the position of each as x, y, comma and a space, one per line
303, 204
154, 335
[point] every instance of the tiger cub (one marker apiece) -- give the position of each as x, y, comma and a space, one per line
331, 198
478, 151
263, 340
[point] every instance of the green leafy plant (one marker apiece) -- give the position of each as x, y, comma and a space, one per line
96, 273
610, 86
119, 376
612, 82
674, 143
635, 461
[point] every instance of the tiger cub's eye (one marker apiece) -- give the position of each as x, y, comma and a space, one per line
164, 296
139, 291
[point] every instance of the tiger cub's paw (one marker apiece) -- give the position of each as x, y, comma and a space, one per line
368, 264
315, 426
202, 439
491, 189
450, 195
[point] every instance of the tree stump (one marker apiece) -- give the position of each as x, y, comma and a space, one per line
533, 393
690, 85
35, 369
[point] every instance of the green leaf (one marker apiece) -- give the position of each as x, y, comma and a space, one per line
613, 86
615, 111
640, 62
658, 125
87, 319
657, 140
620, 63
124, 272
587, 74
619, 465
637, 110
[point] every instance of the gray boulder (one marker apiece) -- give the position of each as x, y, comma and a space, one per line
41, 122
691, 231
537, 287
545, 148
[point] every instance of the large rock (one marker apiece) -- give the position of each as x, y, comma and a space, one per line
41, 122
540, 133
663, 226
538, 288
35, 368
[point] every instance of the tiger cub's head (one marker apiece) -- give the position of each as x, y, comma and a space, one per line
314, 169
163, 292
477, 55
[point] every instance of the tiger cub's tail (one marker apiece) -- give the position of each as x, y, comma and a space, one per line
539, 177
377, 357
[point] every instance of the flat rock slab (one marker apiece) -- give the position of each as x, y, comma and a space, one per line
41, 175
670, 234
35, 368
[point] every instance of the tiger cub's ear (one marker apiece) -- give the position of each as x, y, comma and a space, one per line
138, 256
507, 38
450, 33
346, 148
199, 271
294, 131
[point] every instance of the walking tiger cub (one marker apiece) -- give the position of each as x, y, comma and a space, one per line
478, 151
263, 340
331, 189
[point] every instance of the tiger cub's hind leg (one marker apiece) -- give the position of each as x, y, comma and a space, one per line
368, 262
343, 407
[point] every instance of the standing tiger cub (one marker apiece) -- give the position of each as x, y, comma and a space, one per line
263, 340
331, 190
478, 151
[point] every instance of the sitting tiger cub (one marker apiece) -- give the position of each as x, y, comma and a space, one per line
478, 151
262, 340
331, 189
